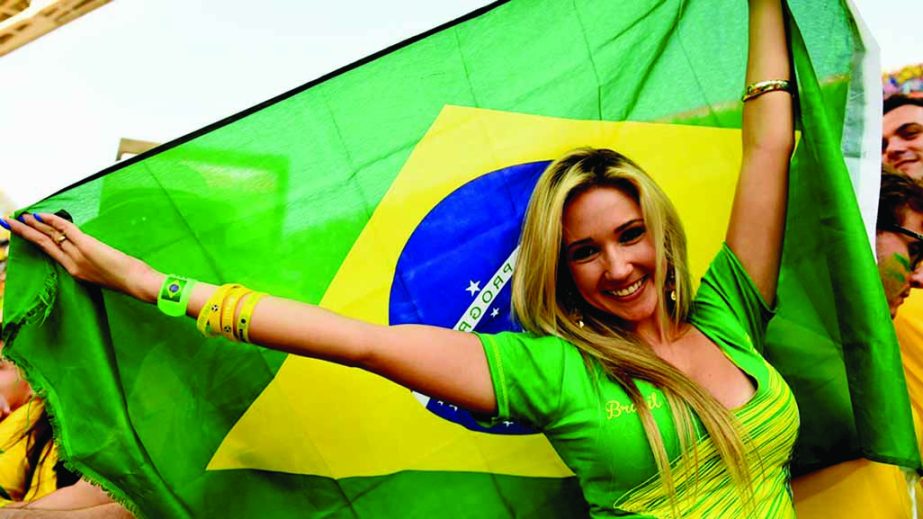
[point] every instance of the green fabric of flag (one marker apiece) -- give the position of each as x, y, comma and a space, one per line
278, 196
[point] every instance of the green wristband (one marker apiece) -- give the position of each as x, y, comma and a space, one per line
174, 295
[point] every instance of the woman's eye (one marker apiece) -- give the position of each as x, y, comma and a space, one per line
633, 234
582, 253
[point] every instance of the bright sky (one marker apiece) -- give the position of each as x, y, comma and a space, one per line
157, 70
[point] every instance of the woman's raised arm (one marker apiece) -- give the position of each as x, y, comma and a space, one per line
441, 363
758, 214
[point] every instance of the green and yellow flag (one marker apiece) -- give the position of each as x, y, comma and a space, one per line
393, 191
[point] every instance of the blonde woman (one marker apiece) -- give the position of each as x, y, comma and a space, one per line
656, 399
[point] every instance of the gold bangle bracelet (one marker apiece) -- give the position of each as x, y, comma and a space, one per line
759, 88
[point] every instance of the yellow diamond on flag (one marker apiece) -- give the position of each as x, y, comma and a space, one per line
318, 418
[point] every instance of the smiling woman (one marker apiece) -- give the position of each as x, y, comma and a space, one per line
619, 291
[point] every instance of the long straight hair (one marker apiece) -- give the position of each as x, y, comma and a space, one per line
545, 301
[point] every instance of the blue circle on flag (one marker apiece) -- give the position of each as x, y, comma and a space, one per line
455, 269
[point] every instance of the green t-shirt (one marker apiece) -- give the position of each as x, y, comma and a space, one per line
594, 427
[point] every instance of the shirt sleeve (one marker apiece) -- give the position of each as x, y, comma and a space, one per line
727, 289
528, 373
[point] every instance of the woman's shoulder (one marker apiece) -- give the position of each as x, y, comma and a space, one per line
519, 347
530, 340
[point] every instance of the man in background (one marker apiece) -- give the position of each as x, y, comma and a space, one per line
899, 237
902, 135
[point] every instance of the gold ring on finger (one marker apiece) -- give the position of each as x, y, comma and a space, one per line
61, 238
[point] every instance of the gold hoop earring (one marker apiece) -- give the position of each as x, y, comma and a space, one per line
671, 282
570, 300
577, 317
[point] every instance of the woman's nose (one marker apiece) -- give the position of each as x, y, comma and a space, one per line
618, 265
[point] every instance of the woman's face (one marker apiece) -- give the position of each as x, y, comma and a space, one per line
610, 254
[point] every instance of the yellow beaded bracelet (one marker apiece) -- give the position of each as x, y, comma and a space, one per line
209, 320
246, 315
229, 308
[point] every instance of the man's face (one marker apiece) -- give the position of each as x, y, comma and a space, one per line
902, 140
896, 253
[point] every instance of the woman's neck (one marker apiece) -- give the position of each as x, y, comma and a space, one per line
655, 334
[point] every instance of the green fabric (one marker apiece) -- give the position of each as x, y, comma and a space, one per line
545, 381
276, 197
833, 340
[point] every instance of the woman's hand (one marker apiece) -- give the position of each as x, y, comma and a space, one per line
87, 258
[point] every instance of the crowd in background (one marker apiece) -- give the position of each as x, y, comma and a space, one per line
907, 81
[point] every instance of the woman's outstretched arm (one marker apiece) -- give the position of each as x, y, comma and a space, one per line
441, 363
758, 214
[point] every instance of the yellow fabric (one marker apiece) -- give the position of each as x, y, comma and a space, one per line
13, 464
909, 327
862, 488
858, 488
209, 321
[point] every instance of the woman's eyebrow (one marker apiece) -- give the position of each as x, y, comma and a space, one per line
627, 224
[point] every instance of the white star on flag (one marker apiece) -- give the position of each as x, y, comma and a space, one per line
474, 287
495, 312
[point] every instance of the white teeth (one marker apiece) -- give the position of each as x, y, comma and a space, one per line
630, 289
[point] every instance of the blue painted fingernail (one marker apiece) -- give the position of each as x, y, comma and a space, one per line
4, 224
37, 217
21, 219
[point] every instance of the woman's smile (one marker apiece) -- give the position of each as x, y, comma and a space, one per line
628, 292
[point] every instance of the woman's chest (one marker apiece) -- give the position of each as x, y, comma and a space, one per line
602, 437
715, 371
604, 442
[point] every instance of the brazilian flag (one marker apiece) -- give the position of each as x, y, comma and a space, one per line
393, 190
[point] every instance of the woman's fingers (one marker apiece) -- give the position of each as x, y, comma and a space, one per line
59, 237
64, 227
87, 258
31, 221
44, 239
36, 236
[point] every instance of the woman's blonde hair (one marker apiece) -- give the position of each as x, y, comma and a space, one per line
546, 302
